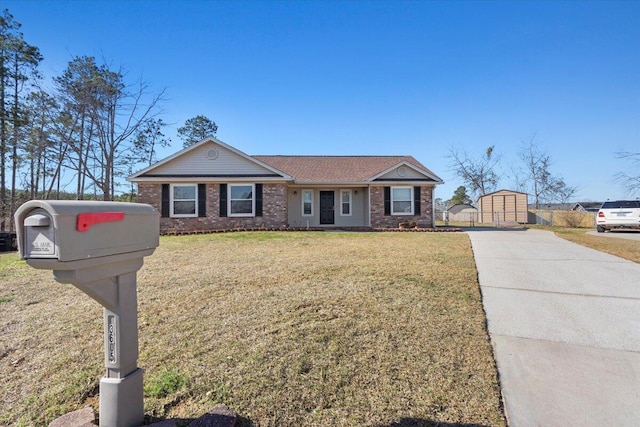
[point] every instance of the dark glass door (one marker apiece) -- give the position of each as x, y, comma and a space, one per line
327, 211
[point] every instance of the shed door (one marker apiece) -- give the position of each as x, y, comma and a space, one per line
327, 204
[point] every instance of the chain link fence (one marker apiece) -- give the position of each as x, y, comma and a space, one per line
570, 219
461, 219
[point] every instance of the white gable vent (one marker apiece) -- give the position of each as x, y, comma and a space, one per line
402, 171
212, 154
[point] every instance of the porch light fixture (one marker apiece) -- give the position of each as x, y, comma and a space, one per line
295, 193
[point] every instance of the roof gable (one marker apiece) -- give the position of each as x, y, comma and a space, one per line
460, 208
209, 158
406, 171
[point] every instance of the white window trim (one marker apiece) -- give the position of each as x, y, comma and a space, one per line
302, 202
412, 202
171, 202
253, 201
350, 202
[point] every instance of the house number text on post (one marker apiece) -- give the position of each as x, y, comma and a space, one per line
111, 339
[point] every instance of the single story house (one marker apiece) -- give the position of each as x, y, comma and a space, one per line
462, 212
577, 206
587, 206
211, 186
503, 206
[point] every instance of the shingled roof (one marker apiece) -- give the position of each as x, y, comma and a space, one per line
196, 160
339, 169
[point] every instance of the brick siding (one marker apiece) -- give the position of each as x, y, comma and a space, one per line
380, 220
274, 210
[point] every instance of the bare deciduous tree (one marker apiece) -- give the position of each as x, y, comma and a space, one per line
106, 113
478, 174
535, 177
630, 180
148, 139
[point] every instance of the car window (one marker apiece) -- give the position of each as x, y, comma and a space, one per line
621, 204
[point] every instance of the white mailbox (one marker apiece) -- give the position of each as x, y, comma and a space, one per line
79, 230
98, 247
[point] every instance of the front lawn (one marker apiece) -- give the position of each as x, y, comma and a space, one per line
287, 329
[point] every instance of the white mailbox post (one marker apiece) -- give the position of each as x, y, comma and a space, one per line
98, 247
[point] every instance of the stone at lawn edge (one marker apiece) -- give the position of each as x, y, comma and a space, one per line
219, 416
80, 418
164, 423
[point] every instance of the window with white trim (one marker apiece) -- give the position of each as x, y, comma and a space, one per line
241, 200
402, 200
345, 202
307, 202
184, 200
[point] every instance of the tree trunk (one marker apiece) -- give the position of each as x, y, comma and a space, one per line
14, 151
3, 145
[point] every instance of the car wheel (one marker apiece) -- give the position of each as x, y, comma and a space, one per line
600, 228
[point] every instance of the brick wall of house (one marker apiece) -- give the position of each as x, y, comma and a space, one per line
150, 194
274, 210
426, 207
380, 220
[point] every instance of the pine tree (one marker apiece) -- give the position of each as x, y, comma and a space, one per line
196, 129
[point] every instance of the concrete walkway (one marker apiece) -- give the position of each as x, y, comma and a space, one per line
564, 322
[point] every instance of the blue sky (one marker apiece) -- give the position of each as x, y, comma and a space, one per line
379, 78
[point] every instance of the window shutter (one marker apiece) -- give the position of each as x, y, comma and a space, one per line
223, 200
165, 201
202, 200
258, 199
387, 201
416, 200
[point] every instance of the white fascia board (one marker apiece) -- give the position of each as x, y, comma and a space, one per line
400, 183
203, 179
409, 165
330, 184
362, 183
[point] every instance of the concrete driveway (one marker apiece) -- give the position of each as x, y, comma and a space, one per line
564, 322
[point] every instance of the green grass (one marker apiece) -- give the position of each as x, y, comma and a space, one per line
305, 329
165, 382
9, 260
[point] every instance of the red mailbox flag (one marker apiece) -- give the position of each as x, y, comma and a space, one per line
86, 220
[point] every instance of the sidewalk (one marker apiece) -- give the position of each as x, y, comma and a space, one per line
564, 322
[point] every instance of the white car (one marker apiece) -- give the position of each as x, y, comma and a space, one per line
618, 214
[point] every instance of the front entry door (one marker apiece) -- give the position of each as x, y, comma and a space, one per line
327, 207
